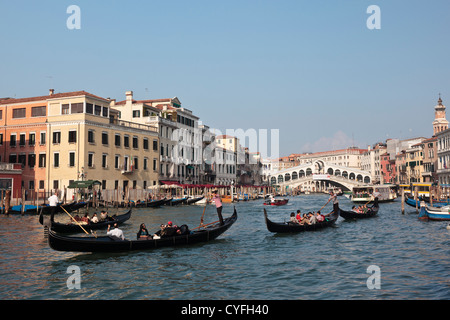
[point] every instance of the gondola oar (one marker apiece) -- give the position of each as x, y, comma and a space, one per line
75, 220
202, 226
201, 220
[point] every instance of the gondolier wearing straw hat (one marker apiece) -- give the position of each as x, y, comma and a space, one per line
218, 203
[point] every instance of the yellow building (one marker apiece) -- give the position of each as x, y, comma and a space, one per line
86, 140
414, 163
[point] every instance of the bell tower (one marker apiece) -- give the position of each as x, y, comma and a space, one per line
440, 123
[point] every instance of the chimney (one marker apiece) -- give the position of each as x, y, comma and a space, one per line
51, 92
112, 102
129, 95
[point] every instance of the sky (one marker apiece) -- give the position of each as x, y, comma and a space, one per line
312, 70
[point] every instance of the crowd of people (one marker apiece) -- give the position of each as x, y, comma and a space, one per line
361, 209
84, 220
307, 218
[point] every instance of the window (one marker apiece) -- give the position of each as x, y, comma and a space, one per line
1, 114
1, 139
65, 109
126, 141
154, 164
22, 159
31, 160
145, 164
98, 110
55, 184
56, 160
19, 113
12, 140
22, 139
71, 159
135, 163
117, 140
56, 137
116, 162
145, 144
42, 141
72, 136
155, 145
135, 142
136, 113
91, 136
41, 184
38, 111
105, 138
77, 107
32, 139
90, 160
42, 160
12, 158
104, 161
89, 108
105, 111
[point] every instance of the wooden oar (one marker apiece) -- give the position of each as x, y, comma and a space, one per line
75, 220
201, 220
325, 204
205, 225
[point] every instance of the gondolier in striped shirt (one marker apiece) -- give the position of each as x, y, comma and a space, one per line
218, 203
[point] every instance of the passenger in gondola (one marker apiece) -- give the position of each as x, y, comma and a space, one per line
293, 218
320, 217
103, 215
299, 216
85, 219
143, 233
94, 218
169, 230
312, 218
305, 220
116, 233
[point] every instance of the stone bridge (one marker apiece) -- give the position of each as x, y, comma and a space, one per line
319, 176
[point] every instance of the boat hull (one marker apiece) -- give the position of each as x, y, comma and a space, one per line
289, 227
106, 244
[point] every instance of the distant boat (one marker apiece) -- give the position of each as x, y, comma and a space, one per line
436, 203
433, 213
276, 202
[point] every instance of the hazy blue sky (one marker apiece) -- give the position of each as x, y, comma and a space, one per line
309, 68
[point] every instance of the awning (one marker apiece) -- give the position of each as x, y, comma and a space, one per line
84, 184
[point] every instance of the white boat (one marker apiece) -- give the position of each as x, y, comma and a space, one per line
365, 194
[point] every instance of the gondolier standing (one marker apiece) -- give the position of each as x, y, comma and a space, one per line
53, 202
218, 203
333, 197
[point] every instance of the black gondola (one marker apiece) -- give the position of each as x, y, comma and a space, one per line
69, 207
371, 212
194, 200
108, 244
291, 227
175, 202
73, 227
156, 203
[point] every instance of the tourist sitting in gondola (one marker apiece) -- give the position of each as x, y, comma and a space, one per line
116, 233
169, 230
143, 233
293, 219
304, 220
319, 217
94, 218
299, 216
85, 219
312, 218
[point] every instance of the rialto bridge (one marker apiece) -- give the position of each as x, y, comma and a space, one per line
319, 176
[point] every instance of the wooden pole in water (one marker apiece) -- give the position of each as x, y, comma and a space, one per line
416, 197
403, 200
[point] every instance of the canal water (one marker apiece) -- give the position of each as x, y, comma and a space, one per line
391, 256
